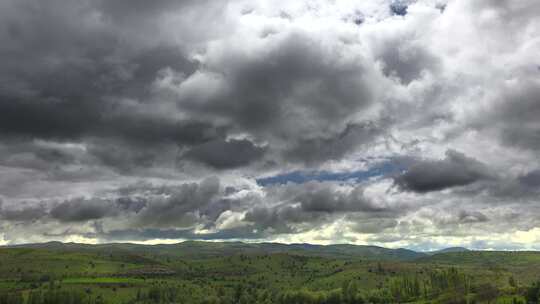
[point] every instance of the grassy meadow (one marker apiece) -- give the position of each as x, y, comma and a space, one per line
199, 272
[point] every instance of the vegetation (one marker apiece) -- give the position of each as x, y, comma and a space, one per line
198, 272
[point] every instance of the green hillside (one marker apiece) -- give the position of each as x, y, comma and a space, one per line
198, 249
211, 272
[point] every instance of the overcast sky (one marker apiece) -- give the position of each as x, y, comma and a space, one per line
395, 123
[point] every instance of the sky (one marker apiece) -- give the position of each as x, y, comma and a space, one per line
393, 123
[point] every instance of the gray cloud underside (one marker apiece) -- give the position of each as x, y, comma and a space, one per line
433, 175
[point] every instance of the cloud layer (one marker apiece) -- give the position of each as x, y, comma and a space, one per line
397, 123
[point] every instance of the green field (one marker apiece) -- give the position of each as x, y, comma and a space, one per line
199, 272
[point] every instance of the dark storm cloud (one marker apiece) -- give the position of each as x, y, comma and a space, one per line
402, 56
287, 95
305, 206
334, 146
225, 154
23, 154
96, 95
122, 158
131, 204
143, 188
523, 187
531, 179
45, 118
407, 62
82, 210
144, 196
261, 89
283, 219
70, 85
514, 116
325, 197
41, 98
77, 116
435, 175
145, 205
70, 73
180, 208
93, 81
127, 9
173, 211
24, 214
472, 217
162, 207
195, 21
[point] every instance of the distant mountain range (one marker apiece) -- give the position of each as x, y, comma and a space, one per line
201, 249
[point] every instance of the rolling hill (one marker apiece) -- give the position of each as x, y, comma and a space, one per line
200, 249
199, 272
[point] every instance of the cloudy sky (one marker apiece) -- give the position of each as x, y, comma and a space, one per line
395, 123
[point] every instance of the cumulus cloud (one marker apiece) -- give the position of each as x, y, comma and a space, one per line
26, 214
80, 210
181, 207
531, 179
115, 116
454, 170
333, 146
223, 154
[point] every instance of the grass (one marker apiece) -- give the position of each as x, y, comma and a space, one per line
118, 274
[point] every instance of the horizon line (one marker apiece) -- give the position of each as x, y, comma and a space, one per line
265, 242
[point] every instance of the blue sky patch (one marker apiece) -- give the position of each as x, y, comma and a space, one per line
300, 177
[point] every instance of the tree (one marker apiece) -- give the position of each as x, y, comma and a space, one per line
350, 293
487, 293
512, 282
35, 297
532, 295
